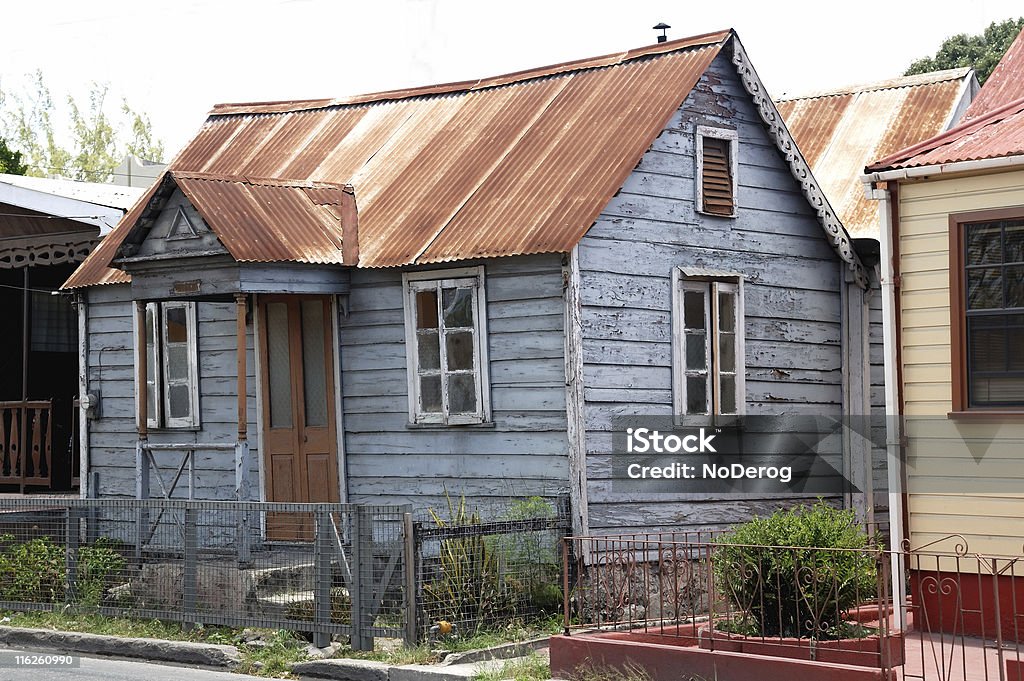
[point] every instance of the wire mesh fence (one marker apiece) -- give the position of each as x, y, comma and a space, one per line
320, 568
485, 570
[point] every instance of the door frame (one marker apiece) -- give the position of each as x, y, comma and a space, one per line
335, 384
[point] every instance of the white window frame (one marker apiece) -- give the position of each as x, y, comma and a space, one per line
159, 408
472, 277
711, 284
733, 138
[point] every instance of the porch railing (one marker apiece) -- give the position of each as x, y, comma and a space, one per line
26, 443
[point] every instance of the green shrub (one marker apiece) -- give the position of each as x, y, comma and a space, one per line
35, 571
796, 592
98, 566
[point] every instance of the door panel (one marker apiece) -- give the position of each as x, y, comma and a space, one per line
299, 435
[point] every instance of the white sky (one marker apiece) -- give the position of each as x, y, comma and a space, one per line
175, 60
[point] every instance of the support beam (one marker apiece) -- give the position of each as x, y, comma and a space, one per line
142, 370
243, 419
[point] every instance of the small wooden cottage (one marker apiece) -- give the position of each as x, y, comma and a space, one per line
952, 211
458, 288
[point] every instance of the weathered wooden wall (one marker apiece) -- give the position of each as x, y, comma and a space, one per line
524, 451
791, 291
111, 374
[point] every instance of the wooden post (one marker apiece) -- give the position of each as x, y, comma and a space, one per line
240, 308
142, 369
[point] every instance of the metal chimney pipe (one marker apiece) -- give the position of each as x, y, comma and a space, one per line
662, 26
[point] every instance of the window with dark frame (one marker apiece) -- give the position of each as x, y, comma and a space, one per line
993, 312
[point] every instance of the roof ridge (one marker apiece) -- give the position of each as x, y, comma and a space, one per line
296, 183
916, 80
603, 61
967, 128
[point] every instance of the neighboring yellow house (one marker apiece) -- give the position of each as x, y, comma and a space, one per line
952, 212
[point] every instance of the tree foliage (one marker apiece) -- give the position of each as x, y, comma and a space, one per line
10, 160
982, 52
94, 143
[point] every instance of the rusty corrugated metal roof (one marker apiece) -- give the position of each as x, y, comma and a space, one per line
997, 134
840, 131
1004, 84
515, 164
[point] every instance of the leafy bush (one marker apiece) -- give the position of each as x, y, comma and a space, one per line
538, 568
35, 571
98, 566
796, 592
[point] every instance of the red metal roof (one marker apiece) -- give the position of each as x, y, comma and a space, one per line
997, 134
840, 131
516, 164
1004, 84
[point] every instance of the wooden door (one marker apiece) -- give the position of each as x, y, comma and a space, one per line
299, 429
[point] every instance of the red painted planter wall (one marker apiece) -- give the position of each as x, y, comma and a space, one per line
963, 603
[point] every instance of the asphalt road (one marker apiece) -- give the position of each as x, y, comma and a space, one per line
99, 669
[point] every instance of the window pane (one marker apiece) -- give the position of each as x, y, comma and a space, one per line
426, 309
983, 243
726, 311
727, 402
462, 394
177, 362
696, 395
314, 366
727, 352
1014, 241
693, 309
458, 307
429, 350
177, 328
1015, 286
997, 390
984, 288
178, 403
459, 350
696, 352
279, 366
987, 347
430, 393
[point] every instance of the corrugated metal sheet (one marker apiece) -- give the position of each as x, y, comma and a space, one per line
999, 133
1004, 84
840, 131
515, 164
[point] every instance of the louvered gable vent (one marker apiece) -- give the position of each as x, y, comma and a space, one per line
717, 181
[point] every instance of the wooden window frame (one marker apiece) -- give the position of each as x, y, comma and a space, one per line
958, 314
732, 137
462, 277
158, 408
712, 284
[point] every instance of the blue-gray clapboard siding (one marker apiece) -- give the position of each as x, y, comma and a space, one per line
791, 291
111, 375
523, 454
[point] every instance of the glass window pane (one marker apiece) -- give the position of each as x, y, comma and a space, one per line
727, 401
314, 366
693, 309
429, 351
458, 307
1014, 286
696, 351
459, 350
1014, 238
178, 403
177, 327
996, 390
987, 344
983, 243
177, 362
696, 395
984, 288
430, 393
426, 309
726, 311
461, 394
727, 352
279, 366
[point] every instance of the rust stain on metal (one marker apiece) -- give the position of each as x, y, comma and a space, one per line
516, 164
1005, 83
841, 131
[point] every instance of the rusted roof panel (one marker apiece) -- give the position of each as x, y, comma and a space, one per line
840, 131
1005, 83
515, 164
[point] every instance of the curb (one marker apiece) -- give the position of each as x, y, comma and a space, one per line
341, 669
504, 651
152, 650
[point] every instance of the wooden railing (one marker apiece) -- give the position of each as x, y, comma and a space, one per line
26, 435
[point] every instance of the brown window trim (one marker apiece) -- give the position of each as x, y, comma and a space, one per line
958, 315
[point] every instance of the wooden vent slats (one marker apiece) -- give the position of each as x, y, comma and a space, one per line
716, 177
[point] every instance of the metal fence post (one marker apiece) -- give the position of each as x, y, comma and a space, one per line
141, 493
190, 570
71, 538
242, 494
409, 563
92, 521
362, 577
322, 567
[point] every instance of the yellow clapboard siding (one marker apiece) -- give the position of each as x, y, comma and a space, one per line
995, 506
937, 316
928, 335
932, 280
926, 392
927, 373
926, 354
932, 297
924, 262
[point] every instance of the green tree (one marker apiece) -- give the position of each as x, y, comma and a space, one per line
10, 160
982, 52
